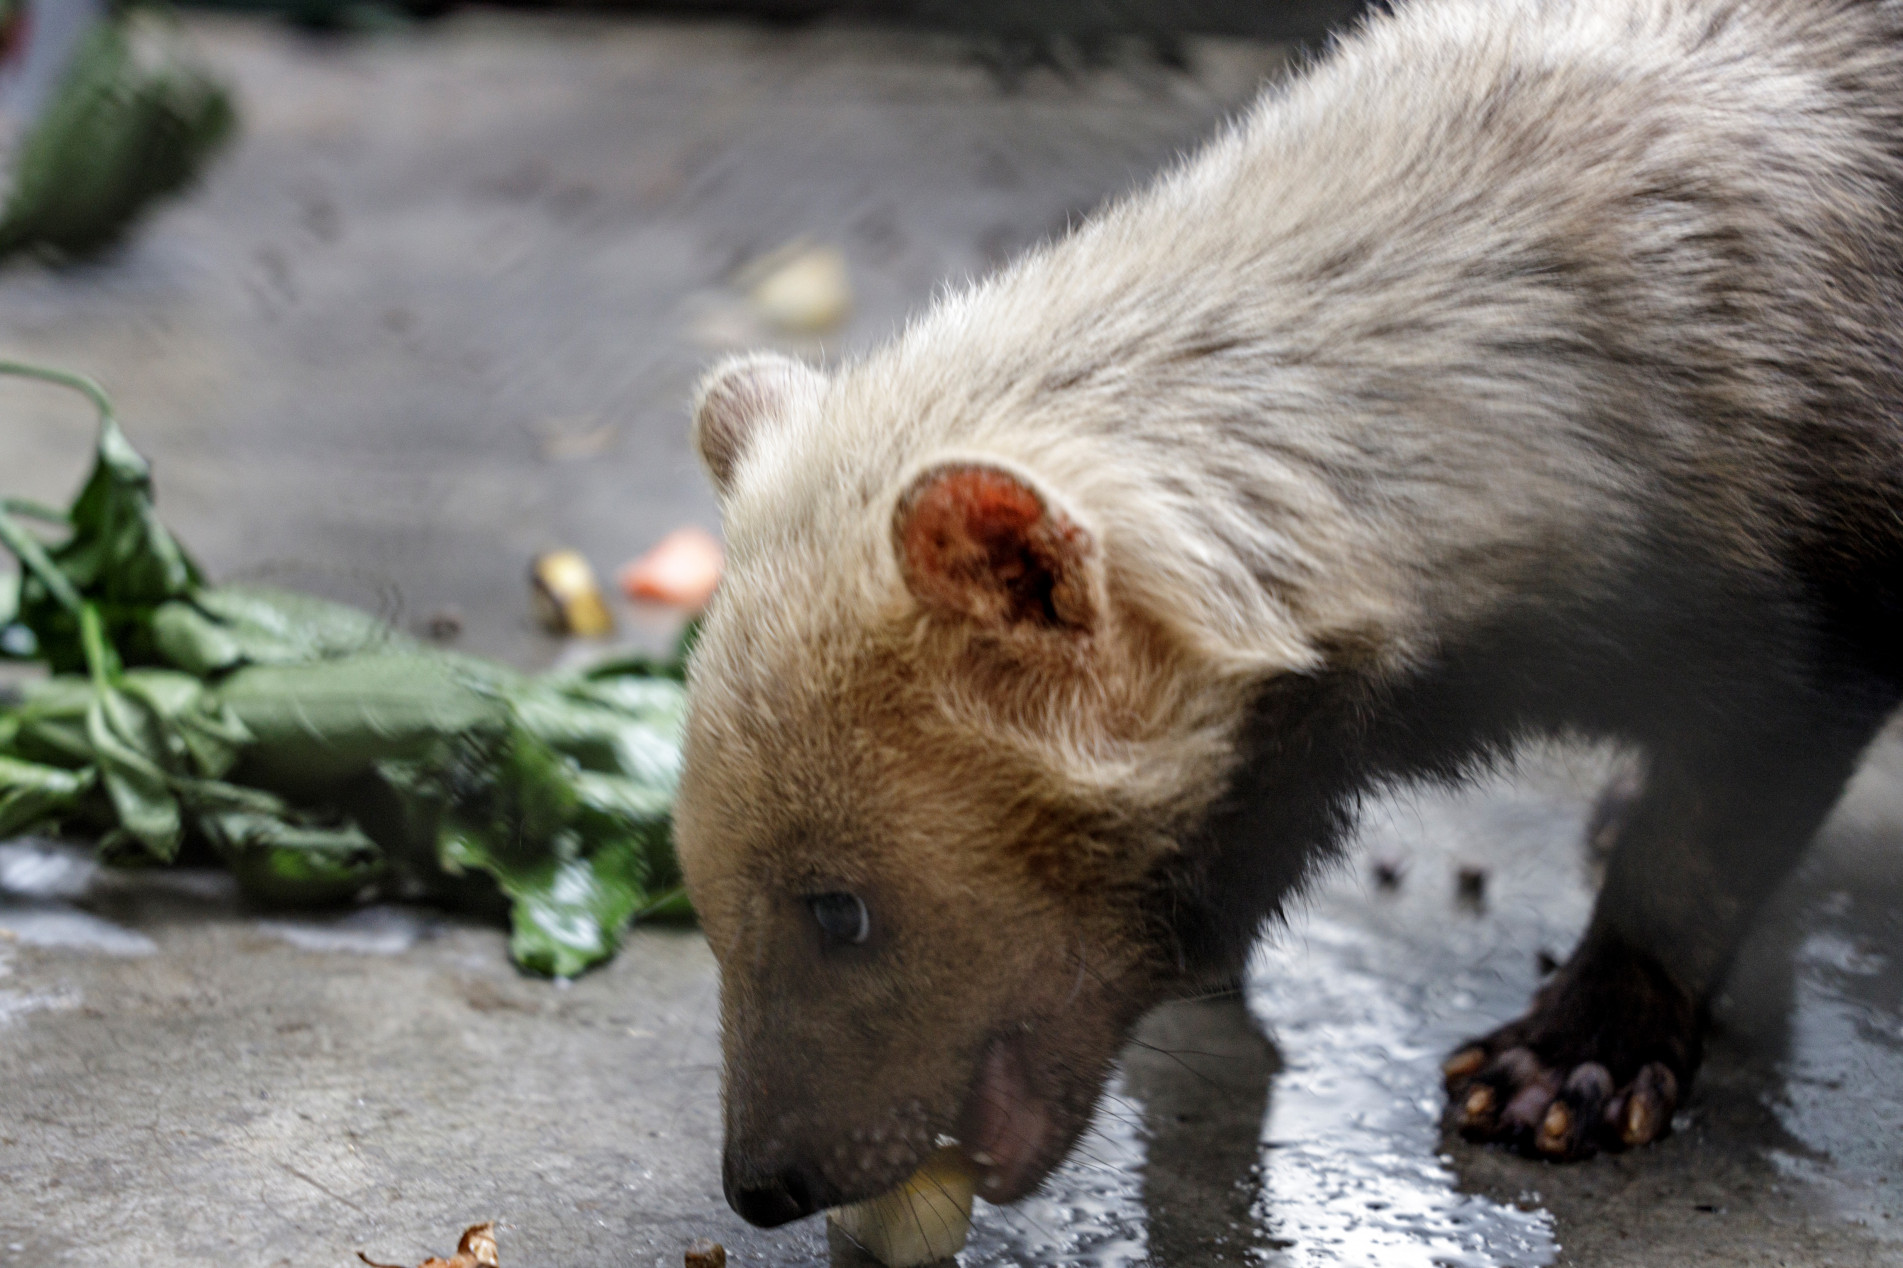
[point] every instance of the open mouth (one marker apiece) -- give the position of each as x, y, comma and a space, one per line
1007, 1129
1010, 1137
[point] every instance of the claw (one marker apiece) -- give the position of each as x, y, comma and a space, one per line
1641, 1120
1649, 1106
1555, 1137
1476, 1113
1568, 1130
1463, 1065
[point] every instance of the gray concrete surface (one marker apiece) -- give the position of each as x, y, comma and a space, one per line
444, 305
441, 310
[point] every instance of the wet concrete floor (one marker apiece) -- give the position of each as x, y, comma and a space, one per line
441, 310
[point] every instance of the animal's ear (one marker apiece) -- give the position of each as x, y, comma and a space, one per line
980, 543
738, 397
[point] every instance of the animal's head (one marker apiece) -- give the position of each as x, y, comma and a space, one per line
935, 758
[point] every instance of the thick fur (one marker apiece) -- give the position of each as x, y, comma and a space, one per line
1521, 368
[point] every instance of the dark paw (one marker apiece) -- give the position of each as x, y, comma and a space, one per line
1599, 1062
1555, 1112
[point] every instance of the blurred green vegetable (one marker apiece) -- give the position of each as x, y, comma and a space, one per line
124, 127
319, 753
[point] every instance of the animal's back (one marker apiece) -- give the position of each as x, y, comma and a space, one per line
1624, 268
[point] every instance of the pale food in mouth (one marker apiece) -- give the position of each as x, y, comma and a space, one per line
924, 1220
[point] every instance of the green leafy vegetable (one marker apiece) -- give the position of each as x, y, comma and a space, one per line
119, 132
321, 754
217, 630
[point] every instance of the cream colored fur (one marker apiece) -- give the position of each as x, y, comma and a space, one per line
1295, 390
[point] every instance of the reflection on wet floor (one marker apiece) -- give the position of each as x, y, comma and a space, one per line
38, 883
1089, 1213
1814, 1014
1201, 1071
1352, 1172
1325, 1147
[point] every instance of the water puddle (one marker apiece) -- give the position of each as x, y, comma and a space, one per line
1371, 986
1351, 1173
1846, 1034
42, 869
60, 925
36, 880
1091, 1213
1344, 1169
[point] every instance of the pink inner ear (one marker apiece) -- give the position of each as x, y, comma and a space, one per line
978, 542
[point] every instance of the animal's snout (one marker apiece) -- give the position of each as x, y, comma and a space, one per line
773, 1200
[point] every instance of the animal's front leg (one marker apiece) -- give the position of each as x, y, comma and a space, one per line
1610, 1045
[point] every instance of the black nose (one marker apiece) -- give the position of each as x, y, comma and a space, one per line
783, 1199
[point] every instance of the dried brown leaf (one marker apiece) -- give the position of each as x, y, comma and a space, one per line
479, 1243
477, 1249
706, 1253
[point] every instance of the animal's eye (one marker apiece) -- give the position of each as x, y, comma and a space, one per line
841, 918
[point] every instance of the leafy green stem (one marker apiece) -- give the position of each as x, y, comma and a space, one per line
92, 633
26, 508
78, 382
33, 557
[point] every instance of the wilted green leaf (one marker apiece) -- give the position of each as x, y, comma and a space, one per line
279, 860
217, 630
304, 867
36, 563
119, 552
34, 796
626, 801
567, 915
625, 727
129, 750
574, 850
317, 724
117, 557
50, 723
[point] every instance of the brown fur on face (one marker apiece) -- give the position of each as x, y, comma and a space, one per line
866, 760
853, 1060
1527, 367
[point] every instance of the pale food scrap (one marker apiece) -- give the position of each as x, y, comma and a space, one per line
805, 293
924, 1220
